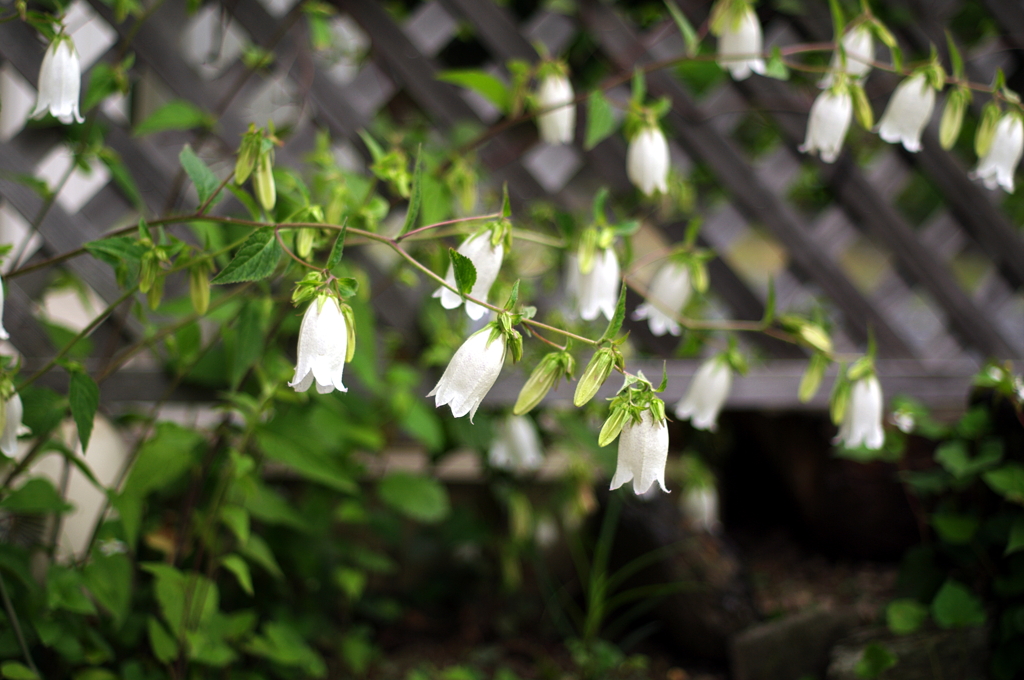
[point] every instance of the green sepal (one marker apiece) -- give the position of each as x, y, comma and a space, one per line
840, 397
350, 329
513, 297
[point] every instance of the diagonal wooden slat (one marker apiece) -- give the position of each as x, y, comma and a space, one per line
703, 141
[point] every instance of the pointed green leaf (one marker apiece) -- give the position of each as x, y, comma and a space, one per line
163, 644
177, 114
506, 203
416, 197
955, 606
639, 86
769, 304
376, 152
874, 660
338, 248
600, 119
513, 297
465, 271
84, 398
199, 172
615, 325
685, 28
421, 498
838, 20
255, 260
904, 616
776, 67
237, 566
480, 82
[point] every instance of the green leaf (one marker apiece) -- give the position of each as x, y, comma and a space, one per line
84, 398
838, 20
600, 119
955, 528
615, 325
237, 566
465, 271
776, 67
376, 152
874, 660
247, 347
1016, 540
639, 86
483, 83
163, 644
685, 28
102, 83
338, 248
953, 456
64, 591
199, 172
12, 670
258, 552
955, 606
421, 498
309, 461
175, 115
416, 197
35, 497
255, 260
955, 58
1007, 481
109, 579
283, 645
175, 589
904, 616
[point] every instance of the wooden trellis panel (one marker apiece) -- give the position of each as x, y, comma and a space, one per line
932, 331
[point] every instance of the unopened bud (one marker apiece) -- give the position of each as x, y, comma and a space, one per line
263, 182
304, 243
540, 382
597, 371
199, 286
952, 118
156, 292
149, 272
612, 427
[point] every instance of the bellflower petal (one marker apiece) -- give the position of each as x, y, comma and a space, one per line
470, 374
862, 422
323, 346
827, 125
12, 426
487, 259
908, 111
60, 81
517, 447
738, 42
670, 289
1000, 163
643, 451
596, 292
860, 51
556, 125
707, 394
647, 161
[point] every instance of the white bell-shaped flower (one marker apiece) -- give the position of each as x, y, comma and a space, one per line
908, 111
323, 346
739, 44
997, 167
670, 290
647, 161
13, 412
517, 446
701, 507
707, 394
4, 335
597, 291
827, 125
556, 125
862, 422
643, 451
471, 373
859, 45
487, 258
60, 81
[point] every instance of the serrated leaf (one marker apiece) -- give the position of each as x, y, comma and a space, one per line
615, 325
600, 119
338, 248
465, 271
255, 260
483, 83
685, 28
174, 115
416, 197
199, 172
84, 398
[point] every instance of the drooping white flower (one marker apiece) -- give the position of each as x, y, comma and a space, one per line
701, 507
862, 421
597, 291
827, 125
13, 412
859, 45
60, 81
670, 290
647, 161
487, 260
4, 335
707, 394
908, 111
323, 347
556, 125
471, 373
996, 168
517, 446
643, 450
739, 41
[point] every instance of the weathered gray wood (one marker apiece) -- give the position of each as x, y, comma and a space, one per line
702, 140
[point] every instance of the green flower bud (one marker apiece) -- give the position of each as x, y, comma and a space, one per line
199, 286
544, 377
953, 117
597, 371
811, 381
304, 243
156, 292
149, 271
263, 182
